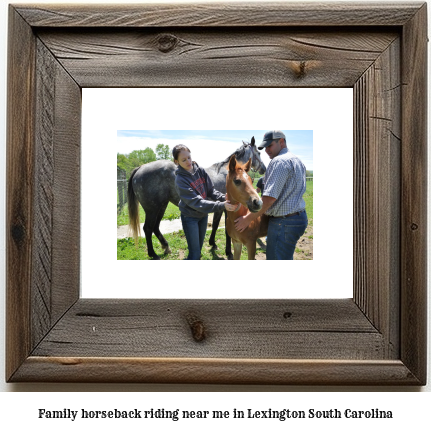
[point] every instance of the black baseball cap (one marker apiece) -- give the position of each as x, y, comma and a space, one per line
268, 137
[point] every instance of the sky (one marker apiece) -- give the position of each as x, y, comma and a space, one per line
211, 146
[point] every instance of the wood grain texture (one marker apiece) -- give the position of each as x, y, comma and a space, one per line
378, 337
43, 191
66, 208
44, 195
413, 194
215, 371
214, 57
268, 329
211, 14
377, 173
57, 194
20, 197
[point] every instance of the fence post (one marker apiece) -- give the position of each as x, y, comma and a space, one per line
121, 189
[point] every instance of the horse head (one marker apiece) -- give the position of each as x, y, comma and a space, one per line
239, 185
254, 154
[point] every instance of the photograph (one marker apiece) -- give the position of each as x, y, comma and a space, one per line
172, 190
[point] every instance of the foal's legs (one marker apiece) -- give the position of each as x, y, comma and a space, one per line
237, 248
251, 249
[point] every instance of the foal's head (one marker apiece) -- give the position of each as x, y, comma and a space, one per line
239, 185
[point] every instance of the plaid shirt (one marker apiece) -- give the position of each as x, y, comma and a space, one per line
285, 181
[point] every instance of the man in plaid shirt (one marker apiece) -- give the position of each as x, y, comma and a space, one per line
282, 198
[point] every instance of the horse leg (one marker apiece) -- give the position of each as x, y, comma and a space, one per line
157, 232
216, 222
251, 250
228, 248
148, 231
150, 222
237, 249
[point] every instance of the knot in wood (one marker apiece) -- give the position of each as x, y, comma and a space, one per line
414, 226
197, 328
167, 42
300, 69
18, 233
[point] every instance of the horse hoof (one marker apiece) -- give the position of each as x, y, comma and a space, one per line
168, 250
230, 257
214, 247
155, 257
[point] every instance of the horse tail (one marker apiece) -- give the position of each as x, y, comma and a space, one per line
133, 205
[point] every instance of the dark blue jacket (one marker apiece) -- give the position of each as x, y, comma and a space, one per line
197, 192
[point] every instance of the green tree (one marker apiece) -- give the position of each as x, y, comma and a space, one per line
140, 157
136, 158
122, 161
163, 152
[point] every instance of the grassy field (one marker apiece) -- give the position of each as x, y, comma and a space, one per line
308, 198
172, 212
126, 249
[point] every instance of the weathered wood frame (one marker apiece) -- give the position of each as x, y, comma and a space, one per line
378, 337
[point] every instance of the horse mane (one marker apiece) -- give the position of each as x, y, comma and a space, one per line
239, 152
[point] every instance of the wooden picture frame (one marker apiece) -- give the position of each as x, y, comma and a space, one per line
378, 337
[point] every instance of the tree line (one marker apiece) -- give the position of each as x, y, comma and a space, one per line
136, 158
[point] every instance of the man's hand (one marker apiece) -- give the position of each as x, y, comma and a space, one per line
243, 222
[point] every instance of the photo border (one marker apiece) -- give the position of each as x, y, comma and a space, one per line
379, 337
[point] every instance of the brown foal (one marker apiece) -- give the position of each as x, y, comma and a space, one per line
239, 188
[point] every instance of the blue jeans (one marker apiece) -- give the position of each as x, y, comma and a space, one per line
283, 234
195, 230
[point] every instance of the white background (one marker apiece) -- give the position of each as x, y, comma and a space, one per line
412, 409
328, 275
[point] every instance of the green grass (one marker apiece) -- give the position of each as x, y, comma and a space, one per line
308, 198
126, 249
172, 212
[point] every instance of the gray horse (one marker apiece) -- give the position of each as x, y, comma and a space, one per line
153, 186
